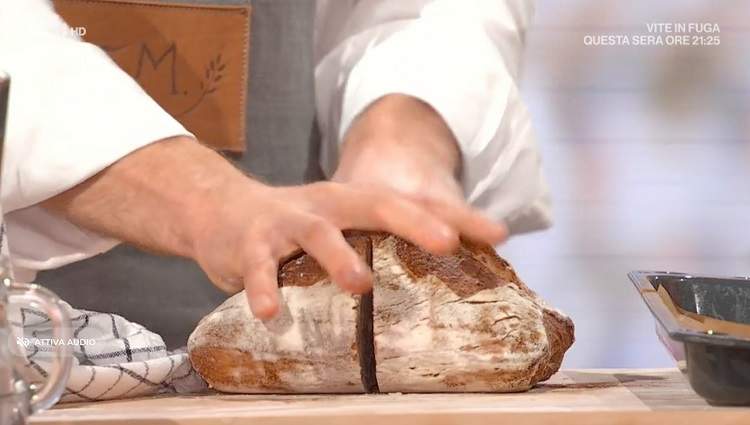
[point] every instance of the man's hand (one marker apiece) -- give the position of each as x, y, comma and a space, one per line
180, 198
242, 242
402, 143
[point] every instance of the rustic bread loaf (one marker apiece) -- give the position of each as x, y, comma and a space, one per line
463, 322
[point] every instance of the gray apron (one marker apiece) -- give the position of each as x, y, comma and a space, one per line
169, 295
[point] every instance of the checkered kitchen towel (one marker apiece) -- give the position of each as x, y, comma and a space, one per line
113, 358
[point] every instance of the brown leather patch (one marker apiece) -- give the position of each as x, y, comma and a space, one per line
192, 59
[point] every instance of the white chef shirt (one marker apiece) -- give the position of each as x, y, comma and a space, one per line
73, 112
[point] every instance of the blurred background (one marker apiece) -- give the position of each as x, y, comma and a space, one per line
647, 153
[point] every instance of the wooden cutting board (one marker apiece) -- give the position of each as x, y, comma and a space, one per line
649, 396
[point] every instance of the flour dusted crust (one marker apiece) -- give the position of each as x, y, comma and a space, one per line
461, 323
310, 347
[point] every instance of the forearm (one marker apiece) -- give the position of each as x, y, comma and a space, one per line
153, 198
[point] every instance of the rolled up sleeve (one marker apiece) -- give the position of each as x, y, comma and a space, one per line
462, 58
72, 113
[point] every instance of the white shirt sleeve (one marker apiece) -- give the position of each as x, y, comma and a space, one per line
72, 113
462, 58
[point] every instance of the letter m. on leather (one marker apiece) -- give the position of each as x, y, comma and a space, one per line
191, 58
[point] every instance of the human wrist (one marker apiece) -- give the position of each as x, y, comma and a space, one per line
215, 183
400, 128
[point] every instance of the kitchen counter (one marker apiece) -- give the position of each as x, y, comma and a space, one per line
611, 396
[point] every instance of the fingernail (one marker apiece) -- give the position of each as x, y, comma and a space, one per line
446, 232
501, 232
263, 306
449, 240
358, 279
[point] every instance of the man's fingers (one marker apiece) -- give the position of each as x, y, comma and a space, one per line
468, 222
328, 246
416, 224
403, 217
385, 210
261, 286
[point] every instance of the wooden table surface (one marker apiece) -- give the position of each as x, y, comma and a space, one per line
611, 396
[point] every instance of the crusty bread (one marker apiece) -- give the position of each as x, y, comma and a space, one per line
459, 323
463, 322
